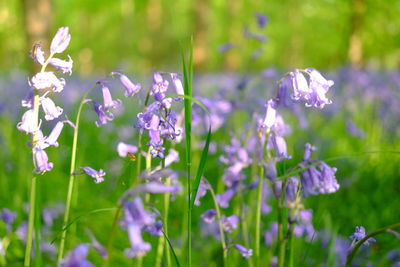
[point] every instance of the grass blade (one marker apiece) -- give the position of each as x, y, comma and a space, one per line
172, 250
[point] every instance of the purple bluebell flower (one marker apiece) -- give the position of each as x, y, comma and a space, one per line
138, 246
154, 229
8, 217
149, 118
308, 149
271, 234
304, 225
320, 86
201, 191
97, 246
280, 127
291, 189
97, 175
318, 180
301, 90
77, 257
28, 101
28, 122
360, 234
173, 156
259, 37
270, 170
131, 89
266, 192
37, 54
109, 103
123, 149
261, 20
279, 144
232, 175
178, 85
159, 173
277, 188
246, 253
224, 198
159, 188
49, 214
134, 213
159, 87
270, 114
51, 140
230, 223
63, 65
50, 109
60, 41
41, 160
209, 215
22, 231
103, 116
47, 80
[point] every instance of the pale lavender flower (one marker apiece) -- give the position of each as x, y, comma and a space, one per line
266, 192
224, 198
63, 65
50, 109
97, 175
159, 87
47, 80
131, 89
51, 140
291, 189
154, 229
246, 253
109, 103
320, 86
178, 85
41, 160
300, 86
77, 257
103, 117
277, 188
28, 101
173, 156
123, 149
134, 213
60, 41
209, 216
230, 223
28, 122
360, 234
270, 114
38, 54
8, 217
159, 188
308, 149
279, 144
304, 225
201, 191
138, 247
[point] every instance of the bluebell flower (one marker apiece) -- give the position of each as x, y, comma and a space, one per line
131, 89
37, 54
60, 41
270, 114
230, 223
28, 100
209, 215
261, 20
103, 117
246, 253
360, 234
291, 189
63, 65
138, 247
51, 111
108, 102
271, 234
8, 217
201, 191
154, 229
77, 257
41, 161
28, 124
47, 80
97, 175
123, 149
178, 85
224, 198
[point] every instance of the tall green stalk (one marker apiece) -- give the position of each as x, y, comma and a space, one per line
281, 239
258, 217
32, 197
71, 177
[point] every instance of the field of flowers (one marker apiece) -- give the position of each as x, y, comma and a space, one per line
293, 167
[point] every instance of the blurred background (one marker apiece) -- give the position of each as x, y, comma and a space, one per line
140, 35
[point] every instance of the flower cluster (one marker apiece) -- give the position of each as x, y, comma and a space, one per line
158, 119
44, 84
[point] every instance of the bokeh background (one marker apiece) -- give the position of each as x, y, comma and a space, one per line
137, 35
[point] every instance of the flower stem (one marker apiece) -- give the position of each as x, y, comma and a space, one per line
30, 222
281, 239
353, 250
71, 177
221, 230
291, 244
258, 217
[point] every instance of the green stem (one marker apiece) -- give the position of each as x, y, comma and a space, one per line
30, 222
162, 239
221, 230
291, 245
71, 177
281, 239
258, 217
111, 237
356, 246
38, 227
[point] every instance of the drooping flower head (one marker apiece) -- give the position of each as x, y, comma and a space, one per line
360, 234
131, 89
97, 175
246, 253
60, 41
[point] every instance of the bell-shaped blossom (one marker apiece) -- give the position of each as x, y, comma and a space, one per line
308, 149
154, 229
103, 117
149, 119
138, 247
230, 223
303, 226
131, 89
209, 215
278, 143
301, 90
134, 213
41, 160
77, 257
360, 234
51, 140
28, 124
320, 86
63, 65
47, 80
109, 103
201, 191
178, 85
270, 114
123, 149
224, 198
246, 253
291, 189
173, 156
50, 109
60, 41
28, 100
97, 175
37, 54
159, 188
